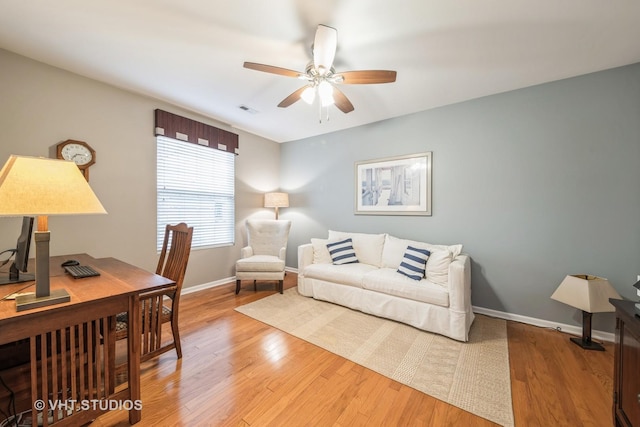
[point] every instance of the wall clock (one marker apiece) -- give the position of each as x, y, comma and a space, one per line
78, 152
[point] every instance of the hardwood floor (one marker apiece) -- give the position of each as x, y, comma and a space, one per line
236, 371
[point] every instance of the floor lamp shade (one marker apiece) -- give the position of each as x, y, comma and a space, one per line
43, 187
591, 295
276, 200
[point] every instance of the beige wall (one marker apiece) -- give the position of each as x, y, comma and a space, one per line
41, 106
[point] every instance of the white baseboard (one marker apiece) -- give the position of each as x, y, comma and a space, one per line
570, 329
562, 327
209, 285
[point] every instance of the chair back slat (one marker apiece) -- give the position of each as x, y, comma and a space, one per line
174, 256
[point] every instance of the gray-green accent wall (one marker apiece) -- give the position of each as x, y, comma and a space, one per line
536, 183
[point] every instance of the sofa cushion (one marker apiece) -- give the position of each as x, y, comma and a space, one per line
342, 252
320, 251
388, 281
347, 274
414, 263
368, 247
437, 270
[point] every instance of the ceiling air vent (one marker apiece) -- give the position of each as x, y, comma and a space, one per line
248, 109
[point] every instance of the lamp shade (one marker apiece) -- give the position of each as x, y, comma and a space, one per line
587, 293
276, 200
42, 186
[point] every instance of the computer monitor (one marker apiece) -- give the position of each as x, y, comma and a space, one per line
19, 265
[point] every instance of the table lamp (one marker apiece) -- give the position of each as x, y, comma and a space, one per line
591, 295
42, 187
276, 200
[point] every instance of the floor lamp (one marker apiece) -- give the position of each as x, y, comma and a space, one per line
591, 295
276, 200
43, 187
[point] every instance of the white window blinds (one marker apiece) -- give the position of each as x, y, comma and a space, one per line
196, 186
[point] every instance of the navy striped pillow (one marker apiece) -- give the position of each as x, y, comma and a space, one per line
414, 263
342, 252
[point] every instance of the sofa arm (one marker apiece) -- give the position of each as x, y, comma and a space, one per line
305, 258
246, 252
460, 284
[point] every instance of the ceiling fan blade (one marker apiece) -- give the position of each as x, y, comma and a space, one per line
271, 69
324, 48
294, 97
366, 77
341, 101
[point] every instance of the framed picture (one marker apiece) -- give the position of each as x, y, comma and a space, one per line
394, 186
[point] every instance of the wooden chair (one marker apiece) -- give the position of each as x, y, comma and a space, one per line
172, 265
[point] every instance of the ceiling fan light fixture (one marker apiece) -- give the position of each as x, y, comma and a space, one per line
325, 90
308, 95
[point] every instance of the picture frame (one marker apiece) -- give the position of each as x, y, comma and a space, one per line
394, 186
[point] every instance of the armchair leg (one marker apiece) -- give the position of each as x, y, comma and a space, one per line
255, 287
281, 285
237, 287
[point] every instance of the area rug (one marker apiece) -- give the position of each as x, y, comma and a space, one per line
473, 376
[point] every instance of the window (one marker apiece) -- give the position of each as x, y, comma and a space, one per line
196, 186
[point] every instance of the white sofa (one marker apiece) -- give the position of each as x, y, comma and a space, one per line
439, 302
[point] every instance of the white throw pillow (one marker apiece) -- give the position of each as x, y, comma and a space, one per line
438, 267
368, 247
320, 252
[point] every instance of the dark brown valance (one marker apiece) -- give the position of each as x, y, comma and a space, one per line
184, 129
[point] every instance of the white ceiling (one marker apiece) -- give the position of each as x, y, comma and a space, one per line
190, 52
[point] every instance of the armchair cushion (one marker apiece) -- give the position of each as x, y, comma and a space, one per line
260, 263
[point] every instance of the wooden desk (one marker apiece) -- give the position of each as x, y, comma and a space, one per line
72, 345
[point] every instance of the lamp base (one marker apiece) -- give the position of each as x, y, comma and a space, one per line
56, 296
587, 345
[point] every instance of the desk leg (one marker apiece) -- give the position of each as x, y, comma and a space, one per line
133, 356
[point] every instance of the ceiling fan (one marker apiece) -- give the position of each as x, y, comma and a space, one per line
322, 77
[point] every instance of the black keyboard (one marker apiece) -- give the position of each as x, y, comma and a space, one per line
80, 271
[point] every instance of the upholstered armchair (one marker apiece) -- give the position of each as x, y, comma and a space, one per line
264, 256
